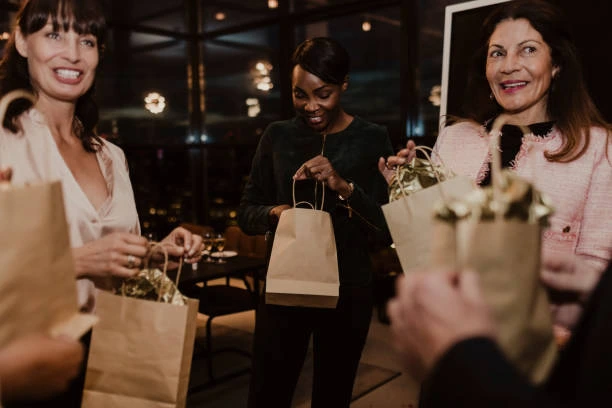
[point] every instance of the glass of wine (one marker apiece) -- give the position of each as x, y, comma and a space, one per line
220, 245
208, 246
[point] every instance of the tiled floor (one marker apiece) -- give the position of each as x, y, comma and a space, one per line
401, 392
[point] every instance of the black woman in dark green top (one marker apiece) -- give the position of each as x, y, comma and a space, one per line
288, 150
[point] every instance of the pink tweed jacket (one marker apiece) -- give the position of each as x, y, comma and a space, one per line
581, 190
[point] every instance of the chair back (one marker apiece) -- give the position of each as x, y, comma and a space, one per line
246, 245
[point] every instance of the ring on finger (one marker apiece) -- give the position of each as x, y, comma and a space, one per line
131, 261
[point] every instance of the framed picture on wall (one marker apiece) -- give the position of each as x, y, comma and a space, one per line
462, 24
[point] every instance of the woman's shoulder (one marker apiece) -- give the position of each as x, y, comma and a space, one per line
280, 125
111, 151
600, 136
467, 127
601, 142
367, 126
463, 132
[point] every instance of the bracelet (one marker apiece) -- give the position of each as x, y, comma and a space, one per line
351, 189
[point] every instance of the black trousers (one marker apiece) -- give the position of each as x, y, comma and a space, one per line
72, 397
282, 336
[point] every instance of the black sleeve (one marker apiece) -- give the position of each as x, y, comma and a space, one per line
475, 373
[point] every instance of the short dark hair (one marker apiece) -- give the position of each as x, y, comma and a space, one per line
82, 16
323, 57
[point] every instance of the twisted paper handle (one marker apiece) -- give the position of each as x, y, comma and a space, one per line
425, 150
6, 100
295, 204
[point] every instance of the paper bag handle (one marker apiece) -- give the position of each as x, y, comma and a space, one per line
295, 204
425, 150
11, 96
147, 259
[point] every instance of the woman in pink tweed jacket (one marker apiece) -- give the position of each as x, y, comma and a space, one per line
580, 190
532, 75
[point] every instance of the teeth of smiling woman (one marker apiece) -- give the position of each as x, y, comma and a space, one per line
514, 85
67, 73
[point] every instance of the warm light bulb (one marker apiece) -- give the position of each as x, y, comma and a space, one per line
155, 103
272, 4
366, 26
220, 16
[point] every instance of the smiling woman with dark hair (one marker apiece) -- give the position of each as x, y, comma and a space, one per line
54, 52
323, 143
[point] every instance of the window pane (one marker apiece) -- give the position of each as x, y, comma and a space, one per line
233, 13
303, 5
242, 93
135, 65
163, 185
431, 38
158, 14
374, 79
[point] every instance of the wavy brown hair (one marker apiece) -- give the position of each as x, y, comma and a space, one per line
569, 102
82, 16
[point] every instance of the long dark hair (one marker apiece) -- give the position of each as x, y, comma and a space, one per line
82, 16
569, 102
323, 57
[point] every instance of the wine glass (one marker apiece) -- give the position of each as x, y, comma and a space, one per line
208, 246
220, 244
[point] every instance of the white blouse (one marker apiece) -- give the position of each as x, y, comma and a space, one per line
33, 155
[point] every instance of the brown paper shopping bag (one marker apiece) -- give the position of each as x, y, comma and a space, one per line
303, 268
504, 249
140, 354
410, 217
37, 281
506, 255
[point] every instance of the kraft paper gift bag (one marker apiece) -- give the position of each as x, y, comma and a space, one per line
303, 268
37, 282
417, 187
497, 233
141, 351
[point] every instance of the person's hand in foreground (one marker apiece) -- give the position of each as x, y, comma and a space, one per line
570, 282
37, 367
434, 310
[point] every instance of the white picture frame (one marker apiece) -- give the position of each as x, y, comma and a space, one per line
451, 13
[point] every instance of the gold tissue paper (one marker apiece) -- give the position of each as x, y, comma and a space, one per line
148, 284
415, 176
518, 200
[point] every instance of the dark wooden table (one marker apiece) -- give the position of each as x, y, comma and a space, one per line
235, 266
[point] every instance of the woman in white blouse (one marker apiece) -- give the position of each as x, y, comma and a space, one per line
55, 139
54, 52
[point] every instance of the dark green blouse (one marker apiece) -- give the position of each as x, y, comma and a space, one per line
354, 154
